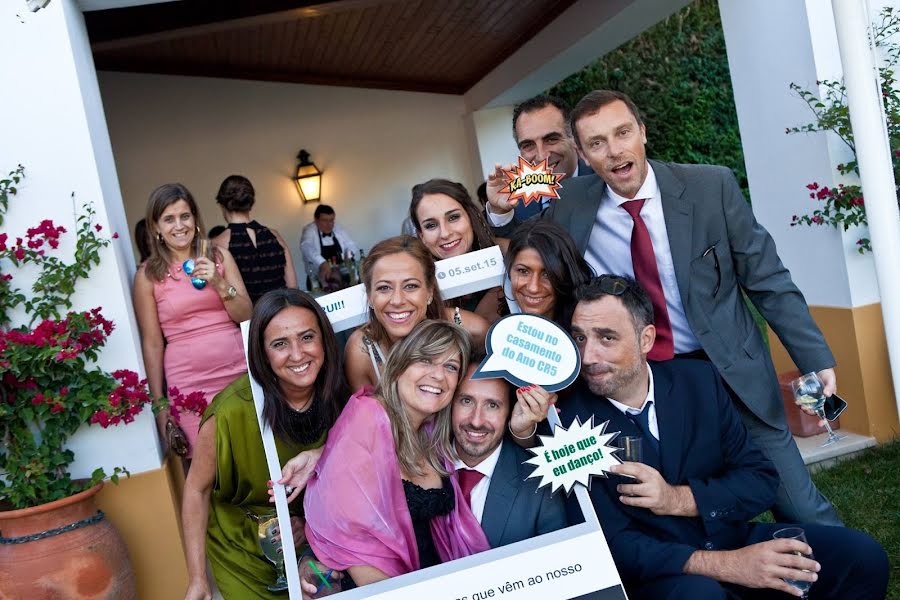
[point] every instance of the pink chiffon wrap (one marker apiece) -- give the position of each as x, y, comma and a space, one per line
356, 511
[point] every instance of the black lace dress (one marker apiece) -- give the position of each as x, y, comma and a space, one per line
424, 505
261, 265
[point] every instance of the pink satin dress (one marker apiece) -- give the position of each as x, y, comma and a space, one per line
204, 350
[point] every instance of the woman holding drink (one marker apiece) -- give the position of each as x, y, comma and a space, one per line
188, 298
226, 513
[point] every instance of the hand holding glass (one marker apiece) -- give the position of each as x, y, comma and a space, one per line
267, 530
809, 392
632, 450
795, 533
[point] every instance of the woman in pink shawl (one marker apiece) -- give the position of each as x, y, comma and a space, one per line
381, 501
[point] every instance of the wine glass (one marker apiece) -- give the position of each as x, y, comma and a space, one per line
795, 533
267, 524
809, 392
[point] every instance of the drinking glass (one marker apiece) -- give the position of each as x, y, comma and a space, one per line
267, 524
809, 392
795, 533
632, 450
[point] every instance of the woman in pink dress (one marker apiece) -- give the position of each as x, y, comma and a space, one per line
189, 336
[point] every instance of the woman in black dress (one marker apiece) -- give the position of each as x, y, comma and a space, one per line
260, 252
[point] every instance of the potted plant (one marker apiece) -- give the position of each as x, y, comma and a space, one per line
53, 540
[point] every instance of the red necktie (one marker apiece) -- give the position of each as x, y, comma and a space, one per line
468, 479
647, 274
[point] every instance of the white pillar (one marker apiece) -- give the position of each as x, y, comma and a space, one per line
491, 138
53, 123
875, 166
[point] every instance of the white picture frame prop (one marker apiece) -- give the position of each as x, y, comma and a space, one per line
571, 563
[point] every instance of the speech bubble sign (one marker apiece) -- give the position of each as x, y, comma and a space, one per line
573, 455
530, 182
528, 349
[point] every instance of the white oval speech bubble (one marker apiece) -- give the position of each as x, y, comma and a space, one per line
528, 349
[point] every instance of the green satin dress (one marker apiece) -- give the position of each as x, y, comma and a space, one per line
238, 565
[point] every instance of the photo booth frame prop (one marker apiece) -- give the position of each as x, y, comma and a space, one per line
571, 563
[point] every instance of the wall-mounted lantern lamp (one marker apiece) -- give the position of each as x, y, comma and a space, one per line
308, 179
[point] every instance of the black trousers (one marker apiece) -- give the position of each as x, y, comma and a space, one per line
854, 567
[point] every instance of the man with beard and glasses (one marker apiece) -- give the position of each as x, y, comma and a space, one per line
688, 236
491, 472
678, 525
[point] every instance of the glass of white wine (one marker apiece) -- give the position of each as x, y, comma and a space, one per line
809, 392
267, 526
795, 533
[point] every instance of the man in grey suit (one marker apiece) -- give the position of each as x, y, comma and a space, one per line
491, 474
690, 228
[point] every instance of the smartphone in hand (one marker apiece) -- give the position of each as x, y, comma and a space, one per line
834, 406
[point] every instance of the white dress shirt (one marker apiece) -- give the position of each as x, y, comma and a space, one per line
312, 250
651, 414
479, 492
609, 250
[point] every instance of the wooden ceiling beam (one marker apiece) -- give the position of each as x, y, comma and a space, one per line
188, 18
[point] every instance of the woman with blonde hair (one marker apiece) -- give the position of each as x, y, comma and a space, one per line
381, 501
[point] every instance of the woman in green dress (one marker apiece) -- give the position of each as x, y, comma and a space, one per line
293, 356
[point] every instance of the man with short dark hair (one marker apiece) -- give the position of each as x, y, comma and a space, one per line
689, 237
542, 132
678, 525
322, 242
491, 472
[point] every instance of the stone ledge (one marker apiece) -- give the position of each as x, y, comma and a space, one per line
816, 457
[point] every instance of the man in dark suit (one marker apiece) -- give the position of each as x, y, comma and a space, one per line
678, 524
491, 473
688, 235
542, 132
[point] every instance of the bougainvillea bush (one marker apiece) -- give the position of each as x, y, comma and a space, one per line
50, 385
844, 205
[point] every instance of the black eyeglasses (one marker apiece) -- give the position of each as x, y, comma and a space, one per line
614, 285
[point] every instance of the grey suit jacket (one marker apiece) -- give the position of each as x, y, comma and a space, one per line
515, 509
719, 251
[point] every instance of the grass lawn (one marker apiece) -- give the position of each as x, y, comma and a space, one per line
866, 493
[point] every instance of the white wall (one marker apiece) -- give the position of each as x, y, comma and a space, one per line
53, 124
372, 146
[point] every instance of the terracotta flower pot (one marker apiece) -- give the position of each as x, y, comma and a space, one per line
89, 562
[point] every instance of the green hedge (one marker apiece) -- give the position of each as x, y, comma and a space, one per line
677, 73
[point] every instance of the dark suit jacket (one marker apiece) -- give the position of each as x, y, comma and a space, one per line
515, 509
703, 209
703, 444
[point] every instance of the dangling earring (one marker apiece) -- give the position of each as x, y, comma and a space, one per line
159, 237
197, 229
429, 301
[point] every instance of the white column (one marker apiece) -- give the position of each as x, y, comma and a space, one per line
53, 123
491, 138
875, 165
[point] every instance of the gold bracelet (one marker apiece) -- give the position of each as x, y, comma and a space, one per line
528, 437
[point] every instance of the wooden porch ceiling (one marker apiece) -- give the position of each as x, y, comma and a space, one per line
443, 46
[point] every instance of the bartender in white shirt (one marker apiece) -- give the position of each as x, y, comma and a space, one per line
323, 240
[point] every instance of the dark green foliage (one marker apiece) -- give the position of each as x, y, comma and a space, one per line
677, 74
